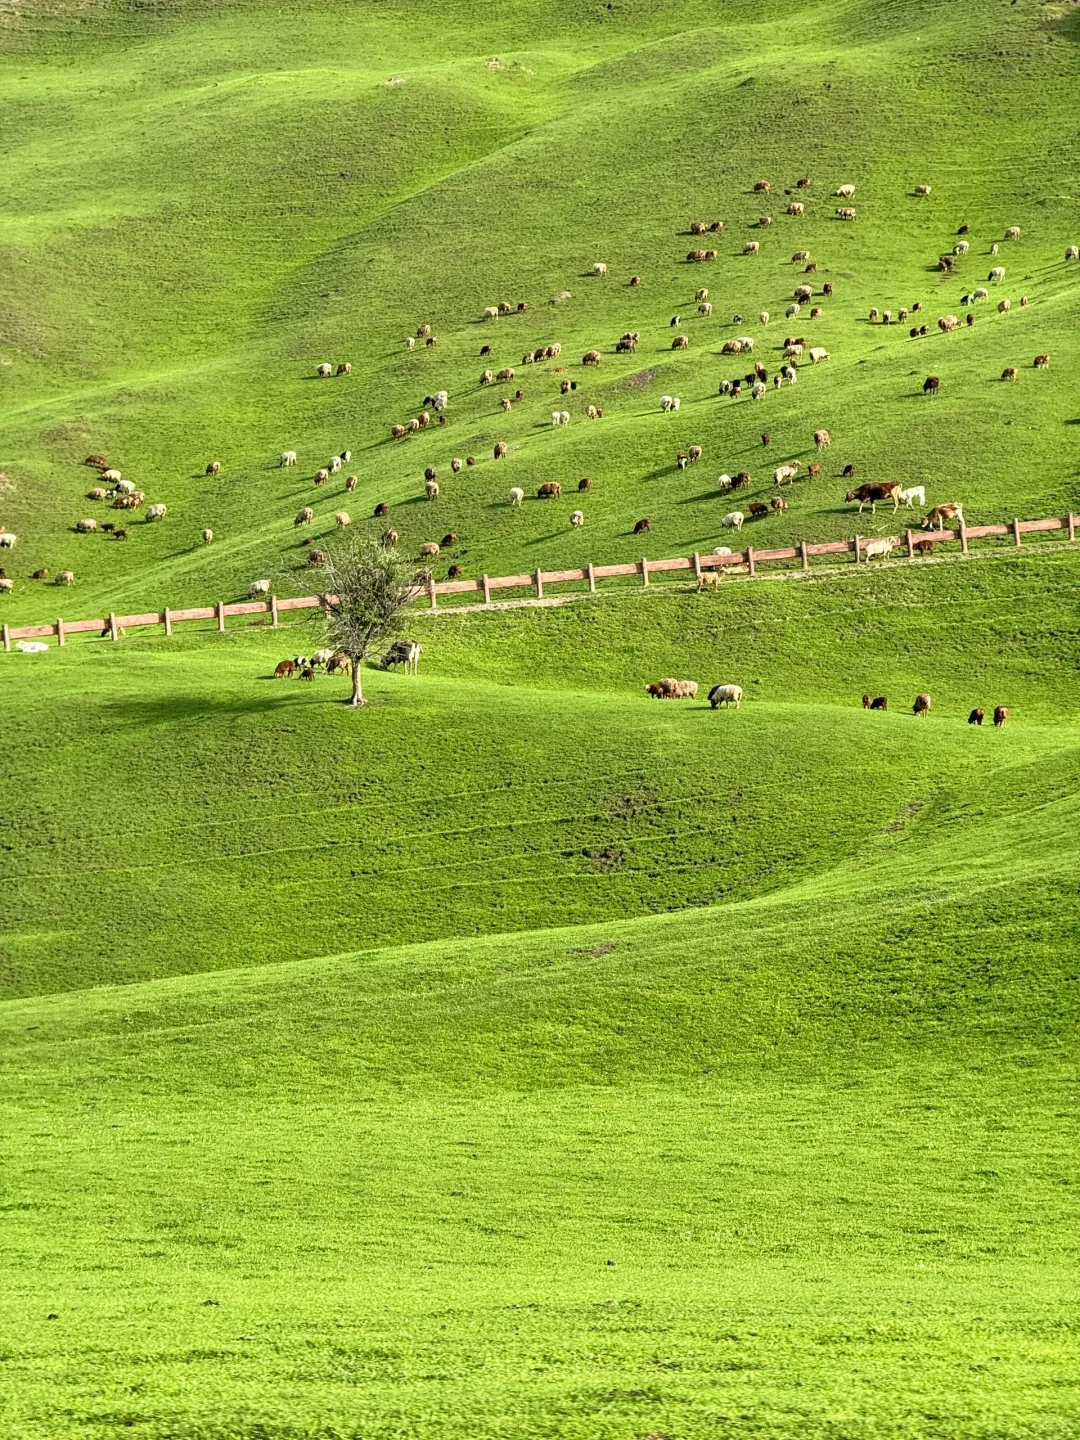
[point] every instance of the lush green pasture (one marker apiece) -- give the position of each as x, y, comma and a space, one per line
172, 807
203, 203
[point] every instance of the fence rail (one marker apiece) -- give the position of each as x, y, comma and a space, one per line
749, 559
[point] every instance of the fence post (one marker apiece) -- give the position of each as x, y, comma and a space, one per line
804, 555
592, 579
963, 536
1016, 531
858, 539
221, 614
697, 566
487, 590
273, 611
112, 627
60, 632
910, 545
1072, 526
539, 584
644, 571
431, 592
750, 560
166, 620
7, 637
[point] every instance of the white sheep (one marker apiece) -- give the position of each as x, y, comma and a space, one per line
577, 519
733, 520
1072, 252
259, 587
845, 192
883, 547
792, 310
517, 495
818, 353
7, 540
723, 550
125, 487
86, 527
156, 512
324, 371
997, 274
6, 587
757, 390
764, 317
287, 457
334, 464
342, 520
723, 484
431, 489
410, 342
599, 268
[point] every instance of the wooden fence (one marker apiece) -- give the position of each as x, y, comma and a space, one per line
537, 580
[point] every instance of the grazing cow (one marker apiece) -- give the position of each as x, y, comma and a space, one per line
681, 342
976, 717
549, 490
642, 527
304, 516
882, 547
85, 527
577, 519
871, 494
931, 385
345, 368
591, 357
517, 495
1009, 373
822, 438
940, 513
733, 521
1001, 716
325, 371
500, 450
922, 704
914, 492
431, 489
156, 512
285, 669
342, 520
208, 537
726, 695
1042, 362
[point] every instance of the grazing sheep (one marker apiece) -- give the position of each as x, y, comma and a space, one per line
304, 516
970, 317
285, 670
1042, 362
723, 550
803, 293
751, 247
796, 208
517, 495
381, 509
669, 689
997, 274
818, 353
792, 310
668, 402
345, 368
156, 512
507, 373
800, 256
388, 539
259, 587
549, 490
487, 378
883, 547
961, 247
1072, 252
599, 268
491, 312
577, 519
85, 527
65, 577
764, 221
342, 520
321, 476
976, 717
733, 520
97, 493
682, 461
723, 484
922, 189
112, 477
398, 432
705, 308
931, 385
993, 249
763, 186
822, 439
316, 557
642, 527
506, 404
764, 317
758, 389
922, 704
845, 212
778, 503
694, 454
448, 540
431, 489
813, 470
501, 449
410, 343
747, 344
1004, 306
731, 347
351, 482
909, 496
726, 695
324, 371
591, 357
785, 474
701, 294
845, 192
214, 468
287, 457
1001, 716
429, 550
7, 585
334, 464
709, 580
681, 342
1009, 373
981, 293
585, 483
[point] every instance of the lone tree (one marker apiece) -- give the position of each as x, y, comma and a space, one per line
365, 588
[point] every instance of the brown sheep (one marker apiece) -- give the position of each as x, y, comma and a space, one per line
214, 468
344, 368
429, 550
454, 573
822, 439
681, 342
694, 454
1009, 373
397, 432
500, 450
758, 509
316, 557
591, 357
388, 539
448, 540
585, 483
762, 187
381, 509
351, 482
285, 669
976, 717
550, 490
1001, 716
778, 503
922, 705
98, 461
1042, 362
643, 527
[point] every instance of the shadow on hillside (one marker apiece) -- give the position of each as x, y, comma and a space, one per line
168, 709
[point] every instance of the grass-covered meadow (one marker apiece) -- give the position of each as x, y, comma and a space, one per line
521, 1057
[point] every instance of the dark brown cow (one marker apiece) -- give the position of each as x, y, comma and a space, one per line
871, 494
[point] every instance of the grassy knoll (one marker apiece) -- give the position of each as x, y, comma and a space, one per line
203, 203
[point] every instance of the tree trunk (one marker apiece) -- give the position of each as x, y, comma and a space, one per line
357, 693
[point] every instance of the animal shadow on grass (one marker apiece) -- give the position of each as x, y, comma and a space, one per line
170, 708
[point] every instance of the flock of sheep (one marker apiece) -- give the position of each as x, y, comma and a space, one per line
670, 689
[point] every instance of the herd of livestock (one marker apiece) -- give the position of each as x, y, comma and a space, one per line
671, 689
125, 497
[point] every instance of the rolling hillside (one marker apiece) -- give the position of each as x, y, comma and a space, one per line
521, 1057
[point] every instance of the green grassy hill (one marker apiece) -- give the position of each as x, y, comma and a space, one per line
520, 1057
204, 202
